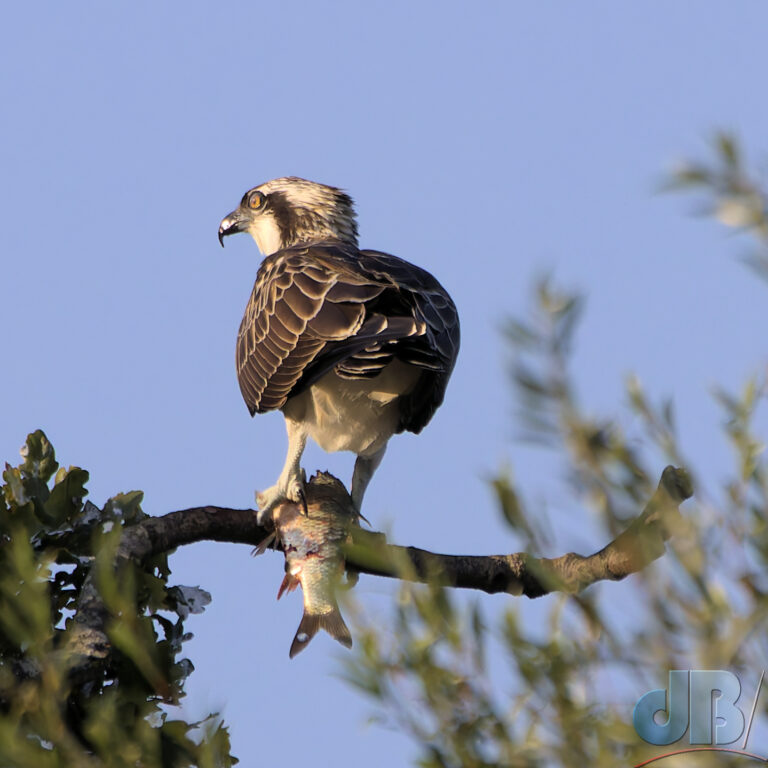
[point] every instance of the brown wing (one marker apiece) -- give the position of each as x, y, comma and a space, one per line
328, 306
420, 295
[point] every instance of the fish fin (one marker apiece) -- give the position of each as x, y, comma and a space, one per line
308, 627
290, 583
332, 623
261, 548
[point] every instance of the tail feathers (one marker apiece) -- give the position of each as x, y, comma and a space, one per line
331, 622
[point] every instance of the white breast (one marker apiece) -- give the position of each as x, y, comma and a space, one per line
357, 415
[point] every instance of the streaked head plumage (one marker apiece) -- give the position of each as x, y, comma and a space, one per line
291, 211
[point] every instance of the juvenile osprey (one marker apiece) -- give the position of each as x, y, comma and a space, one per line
352, 346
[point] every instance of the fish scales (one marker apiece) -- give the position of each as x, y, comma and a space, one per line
312, 545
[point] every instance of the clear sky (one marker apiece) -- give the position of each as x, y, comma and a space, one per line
487, 142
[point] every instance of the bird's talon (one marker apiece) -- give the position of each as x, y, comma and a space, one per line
303, 500
267, 501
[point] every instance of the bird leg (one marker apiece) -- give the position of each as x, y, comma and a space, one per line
290, 484
365, 466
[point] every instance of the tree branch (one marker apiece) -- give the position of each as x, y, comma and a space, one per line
522, 574
369, 552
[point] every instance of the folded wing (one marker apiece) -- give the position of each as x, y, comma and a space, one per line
329, 306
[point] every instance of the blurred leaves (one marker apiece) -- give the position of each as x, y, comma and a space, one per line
728, 192
553, 683
117, 714
601, 459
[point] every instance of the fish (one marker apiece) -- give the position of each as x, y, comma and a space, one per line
312, 542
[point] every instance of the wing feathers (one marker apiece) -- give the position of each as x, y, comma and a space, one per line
351, 292
311, 288
328, 305
289, 320
303, 306
334, 322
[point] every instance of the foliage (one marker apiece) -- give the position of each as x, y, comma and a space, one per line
475, 694
729, 193
61, 704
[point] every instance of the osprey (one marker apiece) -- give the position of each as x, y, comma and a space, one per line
352, 346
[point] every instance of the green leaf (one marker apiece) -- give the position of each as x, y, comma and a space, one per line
14, 491
25, 612
135, 637
126, 506
728, 148
66, 499
39, 457
690, 176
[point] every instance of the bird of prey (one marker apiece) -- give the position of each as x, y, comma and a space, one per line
351, 345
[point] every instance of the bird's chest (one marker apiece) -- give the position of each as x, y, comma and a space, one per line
357, 415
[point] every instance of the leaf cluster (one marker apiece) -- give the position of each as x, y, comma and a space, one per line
730, 192
71, 693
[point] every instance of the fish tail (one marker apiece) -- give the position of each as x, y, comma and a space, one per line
332, 622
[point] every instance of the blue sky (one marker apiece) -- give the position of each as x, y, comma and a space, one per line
487, 142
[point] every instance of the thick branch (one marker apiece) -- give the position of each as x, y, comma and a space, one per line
641, 543
520, 573
368, 552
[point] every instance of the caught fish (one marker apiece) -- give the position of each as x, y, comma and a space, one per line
312, 545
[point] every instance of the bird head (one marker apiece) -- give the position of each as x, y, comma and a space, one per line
291, 211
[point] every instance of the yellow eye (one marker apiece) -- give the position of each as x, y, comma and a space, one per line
255, 200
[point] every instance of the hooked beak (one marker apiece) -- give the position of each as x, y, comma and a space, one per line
231, 224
